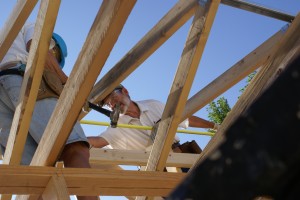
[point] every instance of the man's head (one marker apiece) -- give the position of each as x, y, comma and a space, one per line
119, 96
59, 49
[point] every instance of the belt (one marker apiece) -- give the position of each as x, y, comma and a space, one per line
10, 64
12, 72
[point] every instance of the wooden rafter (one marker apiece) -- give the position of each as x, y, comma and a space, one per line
14, 23
232, 76
259, 9
96, 49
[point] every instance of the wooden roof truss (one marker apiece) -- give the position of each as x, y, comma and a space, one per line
41, 178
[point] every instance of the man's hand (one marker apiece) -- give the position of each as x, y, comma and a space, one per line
216, 126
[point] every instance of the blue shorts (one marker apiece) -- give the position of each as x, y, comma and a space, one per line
10, 86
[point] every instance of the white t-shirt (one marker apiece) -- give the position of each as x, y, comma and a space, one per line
17, 51
136, 139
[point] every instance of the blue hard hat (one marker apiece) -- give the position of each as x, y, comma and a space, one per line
63, 48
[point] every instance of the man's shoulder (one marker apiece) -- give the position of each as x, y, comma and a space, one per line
29, 25
149, 101
151, 104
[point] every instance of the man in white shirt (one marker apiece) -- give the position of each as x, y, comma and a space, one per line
143, 113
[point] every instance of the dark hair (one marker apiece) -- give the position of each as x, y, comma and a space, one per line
119, 87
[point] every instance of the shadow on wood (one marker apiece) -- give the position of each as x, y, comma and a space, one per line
260, 155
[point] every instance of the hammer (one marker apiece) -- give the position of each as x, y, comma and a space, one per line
113, 115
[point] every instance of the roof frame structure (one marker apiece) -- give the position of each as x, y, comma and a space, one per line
58, 183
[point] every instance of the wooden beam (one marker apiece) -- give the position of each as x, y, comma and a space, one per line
137, 158
160, 33
184, 77
101, 39
56, 189
171, 117
259, 9
14, 23
87, 182
33, 74
280, 56
31, 81
233, 75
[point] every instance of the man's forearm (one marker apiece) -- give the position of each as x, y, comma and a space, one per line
198, 122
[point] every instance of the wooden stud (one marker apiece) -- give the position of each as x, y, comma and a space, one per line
183, 80
14, 23
31, 81
56, 189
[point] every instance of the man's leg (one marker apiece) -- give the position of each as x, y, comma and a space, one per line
76, 152
77, 155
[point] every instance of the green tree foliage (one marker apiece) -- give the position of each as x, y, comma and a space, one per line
218, 110
249, 78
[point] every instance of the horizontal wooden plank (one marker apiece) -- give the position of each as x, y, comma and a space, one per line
138, 158
82, 181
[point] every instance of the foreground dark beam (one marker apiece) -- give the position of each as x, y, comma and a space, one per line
260, 155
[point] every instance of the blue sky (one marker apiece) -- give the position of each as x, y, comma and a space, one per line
234, 34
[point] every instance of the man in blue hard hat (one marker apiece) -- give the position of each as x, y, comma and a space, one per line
76, 150
59, 48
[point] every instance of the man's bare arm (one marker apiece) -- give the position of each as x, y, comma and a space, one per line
198, 122
97, 142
